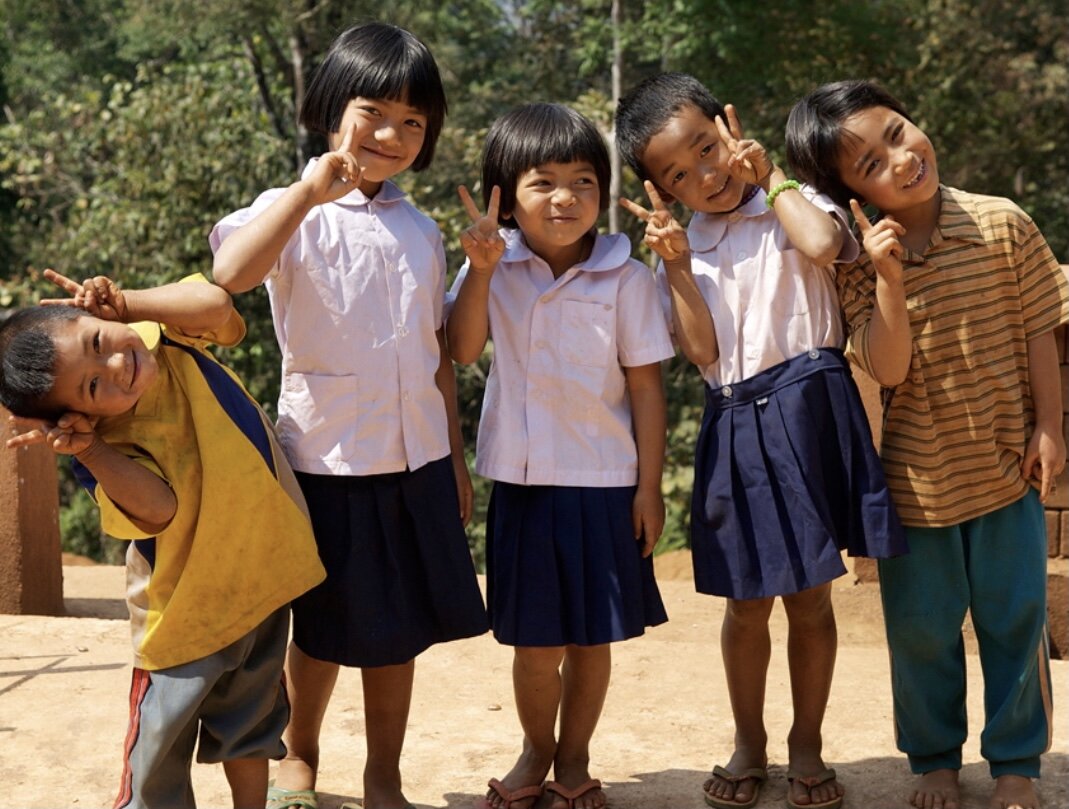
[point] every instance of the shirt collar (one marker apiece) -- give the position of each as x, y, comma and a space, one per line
610, 252
706, 230
387, 194
958, 217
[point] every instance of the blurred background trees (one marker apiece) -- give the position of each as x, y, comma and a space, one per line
128, 127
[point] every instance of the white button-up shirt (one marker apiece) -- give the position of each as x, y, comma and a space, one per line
556, 409
357, 297
768, 301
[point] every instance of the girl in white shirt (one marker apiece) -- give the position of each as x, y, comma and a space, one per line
572, 432
367, 410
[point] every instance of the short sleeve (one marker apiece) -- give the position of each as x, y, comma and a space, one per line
641, 331
228, 335
1043, 286
855, 283
850, 249
231, 222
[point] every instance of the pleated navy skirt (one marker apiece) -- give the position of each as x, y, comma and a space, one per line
563, 567
399, 574
785, 477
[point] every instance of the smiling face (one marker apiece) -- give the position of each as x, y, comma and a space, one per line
389, 136
688, 161
557, 205
887, 161
102, 368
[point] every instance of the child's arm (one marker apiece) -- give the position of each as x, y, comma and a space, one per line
890, 342
192, 308
469, 322
1046, 447
691, 319
248, 254
145, 497
446, 380
814, 232
650, 423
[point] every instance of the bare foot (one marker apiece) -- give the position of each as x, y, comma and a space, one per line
739, 780
937, 789
1014, 792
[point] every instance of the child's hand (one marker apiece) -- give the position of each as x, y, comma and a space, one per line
881, 242
72, 434
481, 242
1044, 460
664, 235
749, 161
647, 514
99, 296
465, 491
336, 173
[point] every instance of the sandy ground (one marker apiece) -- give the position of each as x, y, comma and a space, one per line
64, 683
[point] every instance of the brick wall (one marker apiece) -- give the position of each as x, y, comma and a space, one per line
1057, 505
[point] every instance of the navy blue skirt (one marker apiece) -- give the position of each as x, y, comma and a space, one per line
399, 573
563, 567
785, 477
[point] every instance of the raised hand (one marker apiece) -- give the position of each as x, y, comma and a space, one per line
99, 296
749, 161
336, 173
664, 235
881, 242
481, 241
71, 434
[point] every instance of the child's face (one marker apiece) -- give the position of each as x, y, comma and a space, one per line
557, 204
389, 136
687, 160
102, 367
887, 161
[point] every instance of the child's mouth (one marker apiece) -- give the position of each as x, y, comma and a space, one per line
922, 172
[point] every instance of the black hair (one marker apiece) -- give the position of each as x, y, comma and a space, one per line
534, 134
28, 359
650, 105
377, 60
815, 131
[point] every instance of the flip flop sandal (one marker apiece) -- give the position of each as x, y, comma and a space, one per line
510, 797
279, 798
810, 781
756, 774
572, 795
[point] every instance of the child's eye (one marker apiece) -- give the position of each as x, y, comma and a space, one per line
93, 388
370, 110
96, 342
678, 177
897, 132
412, 122
706, 149
870, 167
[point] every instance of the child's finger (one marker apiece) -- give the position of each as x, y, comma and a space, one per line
635, 209
347, 140
26, 439
863, 224
469, 204
68, 285
733, 121
495, 204
724, 132
656, 200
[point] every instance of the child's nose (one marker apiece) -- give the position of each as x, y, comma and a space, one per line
388, 133
563, 196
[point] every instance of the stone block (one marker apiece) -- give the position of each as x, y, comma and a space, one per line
1063, 534
1058, 615
1054, 531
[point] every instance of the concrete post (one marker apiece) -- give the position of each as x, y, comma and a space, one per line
31, 570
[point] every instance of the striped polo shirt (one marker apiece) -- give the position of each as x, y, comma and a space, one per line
956, 429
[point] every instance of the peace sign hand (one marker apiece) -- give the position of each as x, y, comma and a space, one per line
881, 242
664, 235
71, 434
336, 173
749, 161
99, 296
482, 242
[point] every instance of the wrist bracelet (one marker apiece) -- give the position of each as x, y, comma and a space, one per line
786, 185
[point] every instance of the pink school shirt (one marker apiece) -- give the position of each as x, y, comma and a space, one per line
356, 298
768, 301
556, 409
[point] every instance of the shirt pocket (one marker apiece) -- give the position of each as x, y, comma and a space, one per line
587, 333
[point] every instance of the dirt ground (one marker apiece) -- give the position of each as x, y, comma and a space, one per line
64, 683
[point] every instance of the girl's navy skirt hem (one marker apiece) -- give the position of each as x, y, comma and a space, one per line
399, 573
563, 567
785, 478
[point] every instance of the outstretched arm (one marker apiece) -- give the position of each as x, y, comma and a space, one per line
248, 254
192, 308
469, 322
816, 233
691, 319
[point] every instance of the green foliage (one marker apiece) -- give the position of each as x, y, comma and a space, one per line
129, 127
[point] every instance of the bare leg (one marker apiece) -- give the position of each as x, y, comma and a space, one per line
387, 697
811, 648
745, 647
585, 683
248, 782
309, 684
536, 684
1014, 792
937, 789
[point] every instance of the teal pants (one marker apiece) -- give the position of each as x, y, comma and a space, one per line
995, 567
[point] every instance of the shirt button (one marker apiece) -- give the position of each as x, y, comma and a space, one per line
813, 354
540, 344
544, 299
608, 307
726, 391
740, 256
735, 217
402, 331
405, 396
